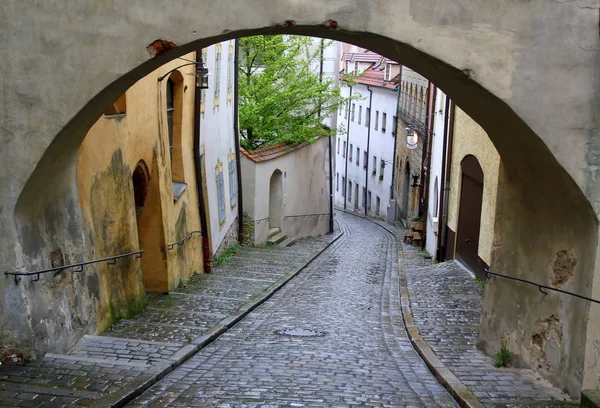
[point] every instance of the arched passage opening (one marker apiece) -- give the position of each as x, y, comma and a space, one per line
150, 227
496, 90
469, 216
276, 200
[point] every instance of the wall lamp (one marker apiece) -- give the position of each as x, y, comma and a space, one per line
201, 73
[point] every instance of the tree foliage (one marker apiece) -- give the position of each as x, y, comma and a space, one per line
280, 92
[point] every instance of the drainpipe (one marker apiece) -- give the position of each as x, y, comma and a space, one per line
198, 167
395, 137
330, 147
236, 136
427, 160
347, 145
368, 150
446, 192
443, 177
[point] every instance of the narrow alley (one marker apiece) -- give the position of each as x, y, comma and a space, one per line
347, 345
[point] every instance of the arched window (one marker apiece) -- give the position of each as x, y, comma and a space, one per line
174, 124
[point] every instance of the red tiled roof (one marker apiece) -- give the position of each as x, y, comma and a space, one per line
272, 152
375, 76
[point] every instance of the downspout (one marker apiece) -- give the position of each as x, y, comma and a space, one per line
198, 167
330, 147
444, 222
443, 177
427, 161
396, 135
346, 150
368, 150
236, 136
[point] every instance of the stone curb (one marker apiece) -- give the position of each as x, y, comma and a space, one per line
122, 398
455, 387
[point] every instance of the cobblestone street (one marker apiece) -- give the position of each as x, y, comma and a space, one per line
364, 357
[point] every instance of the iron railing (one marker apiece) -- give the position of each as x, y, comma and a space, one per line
111, 260
540, 286
306, 216
261, 220
181, 241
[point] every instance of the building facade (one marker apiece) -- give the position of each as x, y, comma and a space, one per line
366, 140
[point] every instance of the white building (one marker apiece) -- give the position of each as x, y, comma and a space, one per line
218, 145
435, 173
365, 146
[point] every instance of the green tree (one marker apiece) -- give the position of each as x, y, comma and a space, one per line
280, 92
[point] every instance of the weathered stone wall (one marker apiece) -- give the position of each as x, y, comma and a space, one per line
503, 62
230, 238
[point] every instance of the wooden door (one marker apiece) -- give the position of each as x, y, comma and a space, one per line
469, 218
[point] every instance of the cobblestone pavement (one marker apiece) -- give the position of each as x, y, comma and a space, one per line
446, 305
363, 357
135, 351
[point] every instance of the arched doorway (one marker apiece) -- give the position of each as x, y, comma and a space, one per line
405, 191
276, 200
150, 227
469, 216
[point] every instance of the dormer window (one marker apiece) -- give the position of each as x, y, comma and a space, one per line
388, 72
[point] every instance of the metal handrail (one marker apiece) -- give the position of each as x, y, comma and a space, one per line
305, 216
540, 286
111, 260
181, 241
261, 220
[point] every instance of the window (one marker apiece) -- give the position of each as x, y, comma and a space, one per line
347, 67
232, 180
369, 200
356, 68
346, 110
383, 120
377, 205
203, 92
436, 195
352, 113
344, 150
359, 114
382, 162
374, 165
350, 152
230, 68
174, 105
349, 191
365, 157
394, 125
118, 107
364, 200
343, 186
357, 156
387, 71
338, 145
368, 117
376, 119
337, 181
217, 70
220, 192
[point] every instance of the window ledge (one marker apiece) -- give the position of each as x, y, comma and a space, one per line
178, 189
116, 116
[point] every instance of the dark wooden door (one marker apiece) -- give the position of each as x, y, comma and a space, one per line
469, 216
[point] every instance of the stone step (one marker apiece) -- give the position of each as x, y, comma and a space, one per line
274, 231
276, 239
287, 242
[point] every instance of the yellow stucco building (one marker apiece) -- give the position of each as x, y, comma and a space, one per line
137, 189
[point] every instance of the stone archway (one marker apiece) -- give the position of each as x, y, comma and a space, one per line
502, 62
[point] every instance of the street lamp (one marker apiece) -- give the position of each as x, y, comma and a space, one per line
201, 73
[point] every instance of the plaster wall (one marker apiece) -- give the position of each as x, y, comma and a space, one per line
305, 191
471, 139
218, 140
381, 146
502, 61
